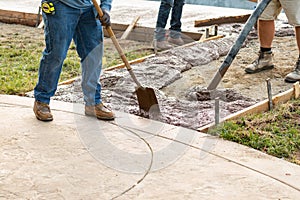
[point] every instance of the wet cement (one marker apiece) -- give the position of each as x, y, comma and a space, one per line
192, 110
179, 77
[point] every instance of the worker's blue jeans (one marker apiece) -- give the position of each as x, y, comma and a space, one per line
163, 15
82, 26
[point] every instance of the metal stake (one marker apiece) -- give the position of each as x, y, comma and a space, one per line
217, 110
269, 93
215, 30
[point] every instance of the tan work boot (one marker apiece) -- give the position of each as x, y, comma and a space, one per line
100, 111
163, 45
294, 76
264, 62
176, 41
42, 111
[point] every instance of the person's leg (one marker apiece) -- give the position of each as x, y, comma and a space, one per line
292, 10
88, 38
266, 30
59, 29
162, 18
294, 76
297, 29
175, 29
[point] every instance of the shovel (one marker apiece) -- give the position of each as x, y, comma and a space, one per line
238, 44
146, 96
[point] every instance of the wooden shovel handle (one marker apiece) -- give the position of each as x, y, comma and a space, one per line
117, 45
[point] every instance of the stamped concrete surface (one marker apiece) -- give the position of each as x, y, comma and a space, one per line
79, 157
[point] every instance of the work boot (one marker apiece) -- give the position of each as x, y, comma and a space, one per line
42, 111
100, 111
264, 62
176, 41
162, 45
294, 76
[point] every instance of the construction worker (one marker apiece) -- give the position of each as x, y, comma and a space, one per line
175, 30
66, 20
266, 30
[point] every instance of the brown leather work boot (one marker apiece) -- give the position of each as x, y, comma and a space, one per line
100, 111
42, 111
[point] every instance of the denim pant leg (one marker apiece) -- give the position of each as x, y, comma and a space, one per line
162, 18
88, 38
175, 29
59, 29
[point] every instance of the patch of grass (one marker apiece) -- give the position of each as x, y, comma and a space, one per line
114, 59
276, 132
20, 62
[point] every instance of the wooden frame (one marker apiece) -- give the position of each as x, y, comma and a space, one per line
262, 106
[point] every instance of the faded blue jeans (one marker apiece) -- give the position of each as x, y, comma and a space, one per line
163, 15
82, 26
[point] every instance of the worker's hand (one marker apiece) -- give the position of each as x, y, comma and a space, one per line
105, 19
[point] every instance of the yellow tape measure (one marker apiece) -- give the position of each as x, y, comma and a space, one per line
48, 7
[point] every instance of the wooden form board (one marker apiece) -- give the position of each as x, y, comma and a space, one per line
139, 60
262, 106
145, 34
139, 33
15, 17
222, 20
129, 28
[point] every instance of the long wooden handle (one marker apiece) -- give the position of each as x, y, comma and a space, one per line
117, 45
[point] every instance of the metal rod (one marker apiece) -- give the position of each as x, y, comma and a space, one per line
207, 33
215, 30
217, 110
269, 87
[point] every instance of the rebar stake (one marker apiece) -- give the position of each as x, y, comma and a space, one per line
217, 110
268, 80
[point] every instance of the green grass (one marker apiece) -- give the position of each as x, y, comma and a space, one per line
19, 61
276, 132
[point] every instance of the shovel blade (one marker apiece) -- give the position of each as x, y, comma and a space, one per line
147, 100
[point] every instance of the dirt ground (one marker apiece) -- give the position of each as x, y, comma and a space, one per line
251, 85
176, 93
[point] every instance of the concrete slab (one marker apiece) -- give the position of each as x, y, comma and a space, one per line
79, 157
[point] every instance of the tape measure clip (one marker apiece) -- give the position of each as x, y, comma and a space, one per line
48, 7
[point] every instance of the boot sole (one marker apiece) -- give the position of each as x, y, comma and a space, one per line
44, 120
259, 70
106, 118
288, 80
101, 118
